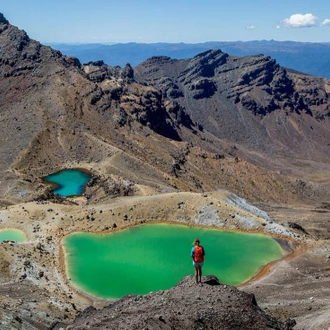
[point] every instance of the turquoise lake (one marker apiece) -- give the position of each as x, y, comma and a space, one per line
69, 182
12, 235
154, 257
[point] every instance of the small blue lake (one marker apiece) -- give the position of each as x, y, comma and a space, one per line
12, 235
69, 182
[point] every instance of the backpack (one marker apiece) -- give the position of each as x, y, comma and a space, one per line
198, 254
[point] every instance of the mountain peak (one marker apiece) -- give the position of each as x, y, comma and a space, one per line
3, 19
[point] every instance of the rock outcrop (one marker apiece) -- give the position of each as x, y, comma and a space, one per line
3, 19
186, 306
252, 101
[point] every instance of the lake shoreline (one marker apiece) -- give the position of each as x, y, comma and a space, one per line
289, 246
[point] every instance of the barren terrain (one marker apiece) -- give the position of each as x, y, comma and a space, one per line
228, 142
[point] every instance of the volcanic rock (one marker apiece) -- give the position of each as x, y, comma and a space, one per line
209, 305
251, 100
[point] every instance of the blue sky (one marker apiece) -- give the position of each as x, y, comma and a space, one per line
190, 21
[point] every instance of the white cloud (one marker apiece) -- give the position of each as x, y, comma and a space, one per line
300, 20
277, 27
326, 22
250, 27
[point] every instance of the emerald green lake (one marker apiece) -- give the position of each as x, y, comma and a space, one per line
154, 257
70, 182
12, 235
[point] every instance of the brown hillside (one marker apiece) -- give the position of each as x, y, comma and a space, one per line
58, 113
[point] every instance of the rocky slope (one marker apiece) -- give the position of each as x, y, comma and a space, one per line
250, 101
186, 306
240, 115
169, 140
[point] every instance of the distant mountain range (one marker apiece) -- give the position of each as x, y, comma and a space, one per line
306, 57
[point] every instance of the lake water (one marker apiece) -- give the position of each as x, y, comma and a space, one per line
154, 257
69, 182
12, 235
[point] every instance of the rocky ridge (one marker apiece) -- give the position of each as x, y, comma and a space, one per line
209, 305
251, 100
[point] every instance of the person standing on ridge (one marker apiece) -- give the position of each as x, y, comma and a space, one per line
197, 254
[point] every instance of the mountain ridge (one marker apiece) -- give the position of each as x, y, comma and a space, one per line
307, 57
229, 87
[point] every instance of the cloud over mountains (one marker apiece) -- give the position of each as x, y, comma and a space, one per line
300, 20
